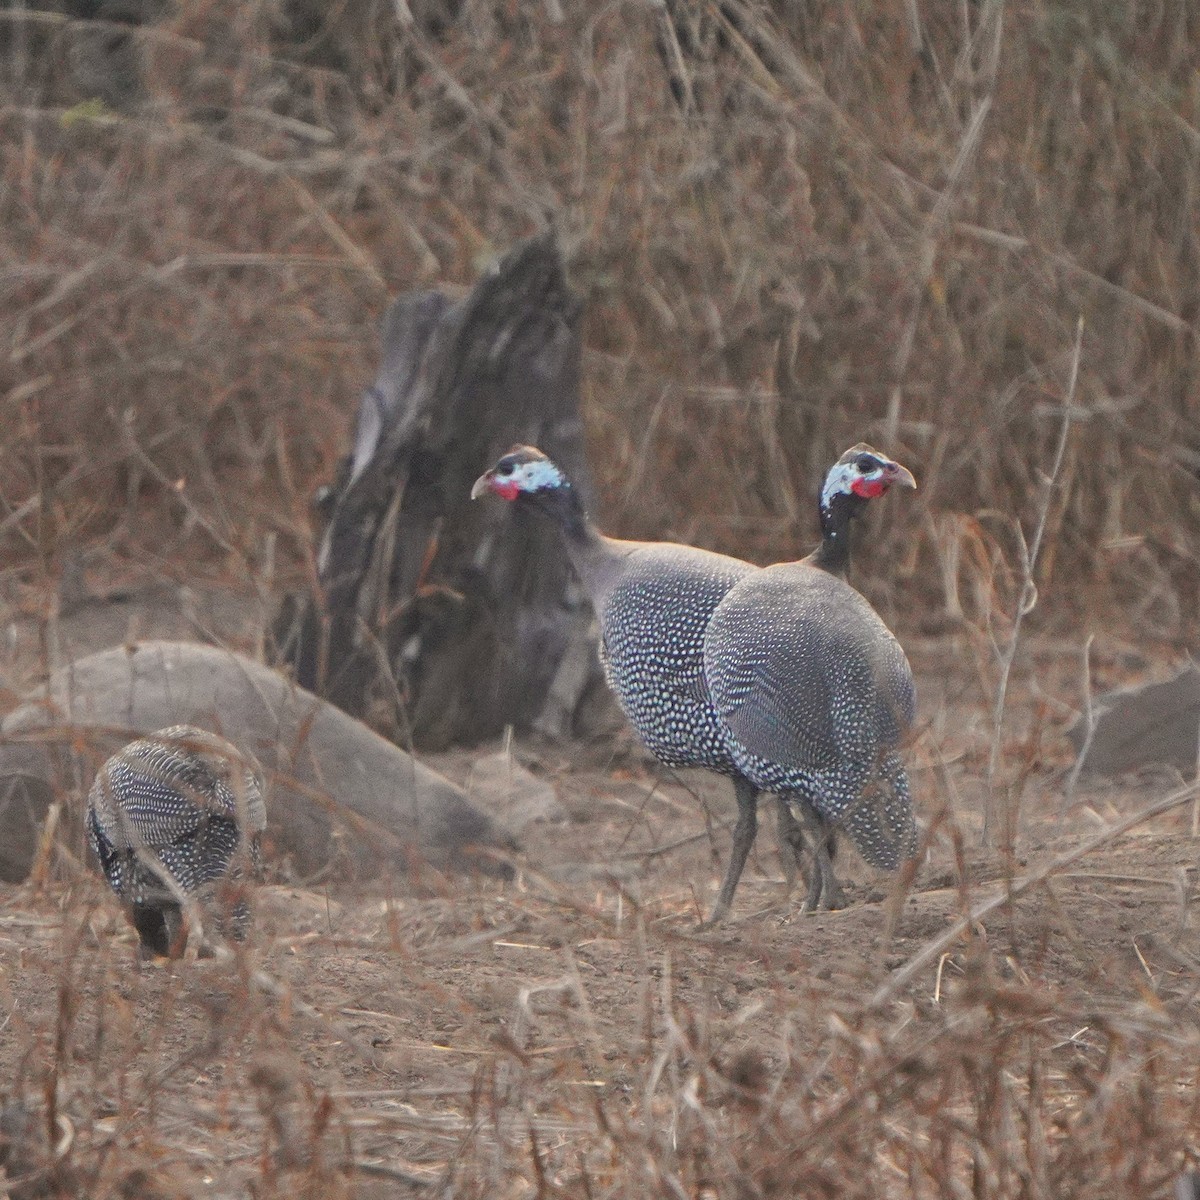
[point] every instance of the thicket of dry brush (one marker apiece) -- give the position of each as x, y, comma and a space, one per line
794, 226
200, 1080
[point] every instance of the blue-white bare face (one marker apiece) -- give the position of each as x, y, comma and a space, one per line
522, 470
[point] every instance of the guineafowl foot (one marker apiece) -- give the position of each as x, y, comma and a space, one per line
812, 902
791, 846
824, 891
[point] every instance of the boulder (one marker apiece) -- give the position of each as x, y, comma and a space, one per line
1153, 724
514, 795
340, 798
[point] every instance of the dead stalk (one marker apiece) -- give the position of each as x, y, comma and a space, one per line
940, 944
1089, 720
1027, 600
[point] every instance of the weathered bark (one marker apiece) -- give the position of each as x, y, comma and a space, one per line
441, 620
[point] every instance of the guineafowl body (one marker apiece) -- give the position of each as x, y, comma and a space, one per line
655, 602
169, 815
653, 616
812, 690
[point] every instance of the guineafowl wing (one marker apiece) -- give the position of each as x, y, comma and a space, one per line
137, 802
654, 607
803, 673
814, 694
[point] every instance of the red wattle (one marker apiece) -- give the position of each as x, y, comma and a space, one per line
508, 490
868, 489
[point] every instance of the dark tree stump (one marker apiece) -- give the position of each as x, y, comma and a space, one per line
441, 620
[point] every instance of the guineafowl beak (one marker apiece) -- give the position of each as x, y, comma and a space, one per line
898, 476
483, 484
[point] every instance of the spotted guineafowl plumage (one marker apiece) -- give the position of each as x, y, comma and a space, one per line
168, 817
654, 602
653, 619
814, 693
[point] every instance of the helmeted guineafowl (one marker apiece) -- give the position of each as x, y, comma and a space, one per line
654, 601
813, 692
168, 817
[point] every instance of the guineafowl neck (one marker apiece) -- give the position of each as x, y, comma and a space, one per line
833, 554
587, 548
564, 507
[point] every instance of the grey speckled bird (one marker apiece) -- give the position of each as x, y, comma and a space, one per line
812, 690
653, 601
166, 817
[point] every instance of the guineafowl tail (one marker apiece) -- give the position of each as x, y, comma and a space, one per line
881, 822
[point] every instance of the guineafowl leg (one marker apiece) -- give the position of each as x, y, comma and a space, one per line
791, 844
743, 839
824, 891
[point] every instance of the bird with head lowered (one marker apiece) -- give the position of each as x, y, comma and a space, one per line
176, 815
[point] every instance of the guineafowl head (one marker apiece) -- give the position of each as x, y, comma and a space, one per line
525, 475
523, 471
861, 474
857, 478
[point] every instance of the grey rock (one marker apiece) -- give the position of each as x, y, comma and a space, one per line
1152, 724
340, 797
511, 794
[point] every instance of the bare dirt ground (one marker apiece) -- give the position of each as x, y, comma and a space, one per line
570, 1032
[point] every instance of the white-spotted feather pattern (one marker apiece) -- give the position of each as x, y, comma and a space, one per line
653, 618
183, 798
814, 695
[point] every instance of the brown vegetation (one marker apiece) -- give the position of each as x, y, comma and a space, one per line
793, 226
875, 220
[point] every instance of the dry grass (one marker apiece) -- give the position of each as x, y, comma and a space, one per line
794, 226
859, 221
490, 1045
